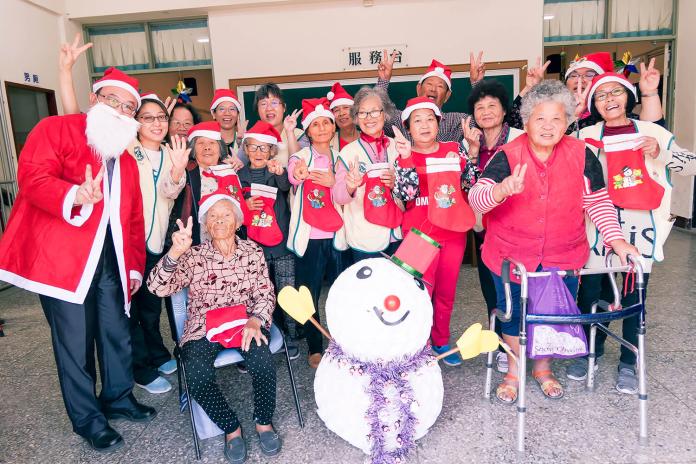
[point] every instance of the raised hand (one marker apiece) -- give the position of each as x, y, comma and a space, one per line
90, 191
472, 135
649, 78
181, 239
649, 145
323, 178
241, 126
401, 143
386, 65
69, 53
511, 185
354, 178
536, 73
477, 68
290, 121
274, 167
581, 98
301, 172
179, 156
234, 162
169, 103
254, 203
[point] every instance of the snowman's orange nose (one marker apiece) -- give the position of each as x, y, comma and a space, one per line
392, 303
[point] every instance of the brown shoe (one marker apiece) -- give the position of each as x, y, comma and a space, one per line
314, 360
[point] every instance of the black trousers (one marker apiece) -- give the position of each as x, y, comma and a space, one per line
320, 259
597, 287
149, 351
75, 330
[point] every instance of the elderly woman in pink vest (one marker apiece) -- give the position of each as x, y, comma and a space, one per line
536, 191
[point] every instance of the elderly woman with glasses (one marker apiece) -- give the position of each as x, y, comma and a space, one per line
227, 275
535, 193
372, 218
638, 177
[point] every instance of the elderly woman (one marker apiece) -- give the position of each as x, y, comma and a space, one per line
162, 176
183, 117
340, 104
535, 192
483, 136
316, 234
372, 218
641, 191
221, 273
431, 177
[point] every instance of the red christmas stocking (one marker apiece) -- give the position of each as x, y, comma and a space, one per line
446, 205
378, 204
318, 209
263, 227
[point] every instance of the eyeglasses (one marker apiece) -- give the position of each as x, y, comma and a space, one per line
373, 114
184, 124
251, 148
273, 104
149, 119
598, 97
227, 109
587, 76
115, 103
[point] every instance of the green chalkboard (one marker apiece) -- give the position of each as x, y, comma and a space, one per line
400, 90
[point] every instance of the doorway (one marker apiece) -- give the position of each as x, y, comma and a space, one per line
28, 105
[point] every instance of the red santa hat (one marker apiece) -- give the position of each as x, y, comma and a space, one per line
599, 62
225, 325
438, 69
149, 96
338, 96
116, 78
208, 129
263, 132
223, 95
419, 103
608, 77
314, 108
227, 191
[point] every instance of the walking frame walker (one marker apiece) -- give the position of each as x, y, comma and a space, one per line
596, 319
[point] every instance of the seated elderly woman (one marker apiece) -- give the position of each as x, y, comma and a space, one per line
372, 218
223, 272
535, 192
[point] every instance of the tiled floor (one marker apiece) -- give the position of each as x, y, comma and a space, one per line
583, 427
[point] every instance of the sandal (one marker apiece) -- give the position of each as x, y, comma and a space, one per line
548, 385
506, 392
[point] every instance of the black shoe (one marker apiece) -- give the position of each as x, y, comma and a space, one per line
105, 441
135, 413
242, 368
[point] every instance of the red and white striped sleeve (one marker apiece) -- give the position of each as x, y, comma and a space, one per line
602, 213
481, 195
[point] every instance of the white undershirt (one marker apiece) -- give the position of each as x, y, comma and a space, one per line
154, 157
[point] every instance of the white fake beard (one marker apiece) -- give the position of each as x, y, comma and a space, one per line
108, 132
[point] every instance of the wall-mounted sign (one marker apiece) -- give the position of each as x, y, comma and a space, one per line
356, 58
30, 78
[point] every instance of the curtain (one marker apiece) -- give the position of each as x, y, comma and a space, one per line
181, 44
573, 20
122, 46
640, 18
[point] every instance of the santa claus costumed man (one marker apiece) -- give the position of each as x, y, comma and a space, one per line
76, 237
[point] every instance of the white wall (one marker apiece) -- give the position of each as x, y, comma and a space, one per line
308, 38
685, 103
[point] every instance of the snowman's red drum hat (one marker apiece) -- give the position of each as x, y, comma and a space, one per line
416, 253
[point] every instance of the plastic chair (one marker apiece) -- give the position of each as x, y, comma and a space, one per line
595, 319
201, 425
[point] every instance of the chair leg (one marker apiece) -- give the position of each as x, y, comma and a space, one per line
292, 384
190, 408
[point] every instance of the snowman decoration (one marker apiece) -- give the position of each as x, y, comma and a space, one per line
378, 385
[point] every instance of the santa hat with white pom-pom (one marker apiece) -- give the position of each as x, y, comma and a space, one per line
338, 96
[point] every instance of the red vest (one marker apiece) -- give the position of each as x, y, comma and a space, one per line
545, 224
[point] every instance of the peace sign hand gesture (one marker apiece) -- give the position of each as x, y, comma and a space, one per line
386, 65
300, 172
402, 145
649, 78
581, 99
290, 121
170, 103
179, 156
181, 239
477, 68
354, 178
90, 191
69, 53
536, 74
472, 135
511, 185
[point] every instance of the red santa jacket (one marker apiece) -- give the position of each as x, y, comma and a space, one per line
53, 248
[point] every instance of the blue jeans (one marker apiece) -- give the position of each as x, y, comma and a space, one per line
512, 328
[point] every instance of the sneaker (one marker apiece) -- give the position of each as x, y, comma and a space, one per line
451, 360
168, 368
293, 350
627, 383
242, 368
577, 369
157, 386
501, 362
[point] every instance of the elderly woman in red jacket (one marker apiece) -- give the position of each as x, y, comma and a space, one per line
535, 192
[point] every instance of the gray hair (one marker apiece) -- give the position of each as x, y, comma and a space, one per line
367, 92
192, 145
548, 91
